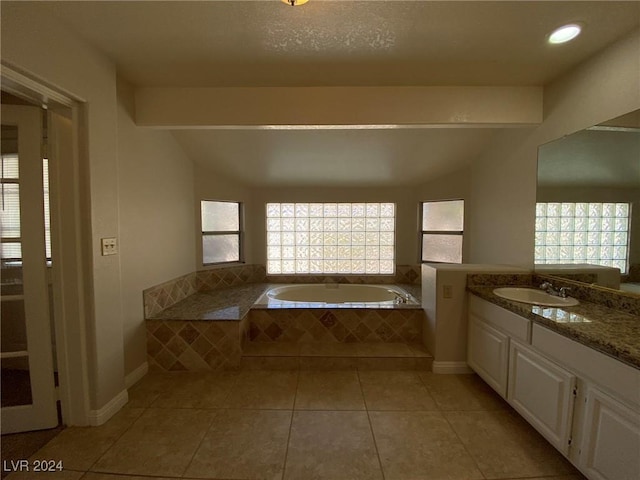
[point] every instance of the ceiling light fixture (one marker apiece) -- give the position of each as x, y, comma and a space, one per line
295, 3
565, 33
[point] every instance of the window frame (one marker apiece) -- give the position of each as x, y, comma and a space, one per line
213, 233
422, 232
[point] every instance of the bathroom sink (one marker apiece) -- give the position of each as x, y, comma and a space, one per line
534, 296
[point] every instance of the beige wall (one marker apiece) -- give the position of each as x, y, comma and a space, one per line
36, 44
503, 179
157, 228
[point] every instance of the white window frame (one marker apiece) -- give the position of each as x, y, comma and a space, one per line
239, 233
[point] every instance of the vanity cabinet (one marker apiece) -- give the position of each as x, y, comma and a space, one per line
585, 403
543, 393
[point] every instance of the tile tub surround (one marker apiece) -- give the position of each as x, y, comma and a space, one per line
613, 332
335, 325
205, 331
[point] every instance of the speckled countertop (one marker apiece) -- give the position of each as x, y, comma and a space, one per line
609, 331
234, 303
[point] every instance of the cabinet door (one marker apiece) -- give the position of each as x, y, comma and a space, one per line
543, 393
611, 439
487, 354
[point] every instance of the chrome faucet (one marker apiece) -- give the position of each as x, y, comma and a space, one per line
401, 298
551, 290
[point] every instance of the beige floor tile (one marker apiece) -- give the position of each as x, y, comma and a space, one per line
328, 363
505, 446
275, 349
331, 390
462, 392
79, 447
196, 390
420, 446
419, 350
401, 390
263, 389
331, 445
576, 476
269, 363
384, 350
161, 442
328, 350
387, 363
150, 387
110, 476
243, 444
30, 475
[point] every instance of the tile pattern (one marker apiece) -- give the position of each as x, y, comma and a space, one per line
307, 426
193, 345
612, 332
335, 325
410, 274
162, 296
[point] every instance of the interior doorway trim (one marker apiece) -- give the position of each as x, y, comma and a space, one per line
70, 239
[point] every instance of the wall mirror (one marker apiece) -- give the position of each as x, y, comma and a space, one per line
588, 205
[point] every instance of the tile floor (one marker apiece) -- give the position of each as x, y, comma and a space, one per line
307, 425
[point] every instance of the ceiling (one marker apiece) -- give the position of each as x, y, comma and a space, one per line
340, 43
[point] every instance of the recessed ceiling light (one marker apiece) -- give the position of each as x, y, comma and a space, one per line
565, 33
295, 3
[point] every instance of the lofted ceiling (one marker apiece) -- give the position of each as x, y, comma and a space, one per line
340, 43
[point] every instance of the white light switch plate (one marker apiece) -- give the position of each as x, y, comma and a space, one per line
109, 246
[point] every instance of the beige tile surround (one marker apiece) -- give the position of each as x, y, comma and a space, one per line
194, 345
306, 425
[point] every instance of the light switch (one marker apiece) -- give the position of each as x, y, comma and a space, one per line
447, 291
109, 246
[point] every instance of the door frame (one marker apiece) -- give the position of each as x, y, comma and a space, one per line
70, 240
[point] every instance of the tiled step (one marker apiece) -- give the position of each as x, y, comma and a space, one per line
335, 356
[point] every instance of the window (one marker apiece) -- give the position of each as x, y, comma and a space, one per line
326, 238
442, 229
595, 233
11, 252
221, 232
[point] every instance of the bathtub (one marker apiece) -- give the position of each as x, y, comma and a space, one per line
334, 295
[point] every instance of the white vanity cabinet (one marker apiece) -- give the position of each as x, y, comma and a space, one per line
585, 403
543, 393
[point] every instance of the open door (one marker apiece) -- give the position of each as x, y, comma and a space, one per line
28, 386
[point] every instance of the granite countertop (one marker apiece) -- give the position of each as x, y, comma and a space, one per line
609, 331
234, 303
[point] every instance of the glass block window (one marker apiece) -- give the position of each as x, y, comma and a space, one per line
594, 233
221, 232
329, 238
442, 231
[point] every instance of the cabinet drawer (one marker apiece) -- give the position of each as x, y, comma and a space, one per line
510, 323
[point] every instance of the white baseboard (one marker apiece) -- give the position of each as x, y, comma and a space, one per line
135, 376
98, 417
450, 367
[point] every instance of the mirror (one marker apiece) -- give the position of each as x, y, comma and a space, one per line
588, 210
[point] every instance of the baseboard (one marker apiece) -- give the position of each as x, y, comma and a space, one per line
98, 417
450, 367
135, 376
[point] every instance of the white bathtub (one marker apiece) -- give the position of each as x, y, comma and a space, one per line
338, 295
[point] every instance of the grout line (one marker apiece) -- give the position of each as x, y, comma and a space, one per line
286, 452
195, 451
373, 436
